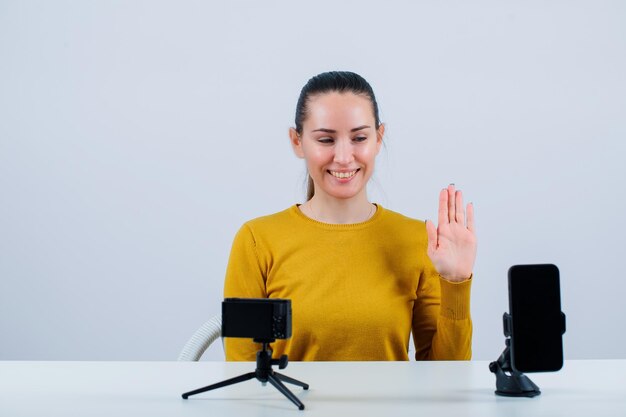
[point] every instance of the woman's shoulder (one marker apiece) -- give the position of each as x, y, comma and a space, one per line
269, 222
403, 228
401, 219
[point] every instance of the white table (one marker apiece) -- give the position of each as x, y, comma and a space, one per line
430, 389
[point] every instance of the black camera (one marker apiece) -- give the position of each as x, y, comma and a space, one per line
262, 319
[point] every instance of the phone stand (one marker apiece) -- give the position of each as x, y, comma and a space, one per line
509, 382
263, 373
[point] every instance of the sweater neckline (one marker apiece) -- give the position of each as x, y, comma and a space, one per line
295, 209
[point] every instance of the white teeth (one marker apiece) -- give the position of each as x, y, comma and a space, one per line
343, 174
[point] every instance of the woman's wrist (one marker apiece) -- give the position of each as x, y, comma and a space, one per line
457, 278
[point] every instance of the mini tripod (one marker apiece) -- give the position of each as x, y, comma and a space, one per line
263, 373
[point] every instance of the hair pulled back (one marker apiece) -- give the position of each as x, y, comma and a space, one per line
327, 82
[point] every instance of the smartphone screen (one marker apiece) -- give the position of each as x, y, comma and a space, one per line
537, 321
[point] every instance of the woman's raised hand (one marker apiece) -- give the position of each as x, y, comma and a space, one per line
452, 244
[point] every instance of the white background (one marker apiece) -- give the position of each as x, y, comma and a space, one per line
137, 136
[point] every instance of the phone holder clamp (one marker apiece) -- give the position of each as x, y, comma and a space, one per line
510, 383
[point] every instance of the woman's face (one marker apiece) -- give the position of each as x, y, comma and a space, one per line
339, 143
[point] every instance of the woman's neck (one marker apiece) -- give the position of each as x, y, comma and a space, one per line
327, 209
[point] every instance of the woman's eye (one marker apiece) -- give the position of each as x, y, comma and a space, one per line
360, 139
325, 140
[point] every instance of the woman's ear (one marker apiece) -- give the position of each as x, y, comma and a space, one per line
296, 142
380, 132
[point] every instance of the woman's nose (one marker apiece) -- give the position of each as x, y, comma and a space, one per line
343, 152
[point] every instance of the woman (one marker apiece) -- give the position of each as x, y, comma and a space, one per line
360, 277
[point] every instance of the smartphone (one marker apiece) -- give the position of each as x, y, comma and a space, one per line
537, 323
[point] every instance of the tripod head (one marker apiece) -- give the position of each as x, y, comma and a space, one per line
264, 359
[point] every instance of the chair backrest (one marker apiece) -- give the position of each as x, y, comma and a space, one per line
202, 339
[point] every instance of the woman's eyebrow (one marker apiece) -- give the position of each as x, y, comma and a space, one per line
334, 131
360, 128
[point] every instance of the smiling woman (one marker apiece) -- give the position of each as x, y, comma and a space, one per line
361, 278
340, 143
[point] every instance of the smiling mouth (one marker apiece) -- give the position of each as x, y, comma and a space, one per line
344, 175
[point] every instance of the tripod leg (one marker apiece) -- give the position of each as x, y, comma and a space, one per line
231, 381
280, 387
290, 380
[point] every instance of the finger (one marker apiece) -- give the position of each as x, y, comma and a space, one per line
460, 214
443, 207
470, 217
451, 204
431, 232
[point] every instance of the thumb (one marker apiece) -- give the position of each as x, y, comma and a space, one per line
431, 231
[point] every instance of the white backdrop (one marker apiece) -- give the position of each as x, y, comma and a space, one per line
137, 136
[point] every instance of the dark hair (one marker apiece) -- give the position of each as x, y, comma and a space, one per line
332, 81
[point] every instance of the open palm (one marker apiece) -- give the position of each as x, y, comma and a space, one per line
452, 244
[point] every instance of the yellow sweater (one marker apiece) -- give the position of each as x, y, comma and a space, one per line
357, 290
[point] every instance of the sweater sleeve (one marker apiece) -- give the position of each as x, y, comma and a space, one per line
245, 277
442, 326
